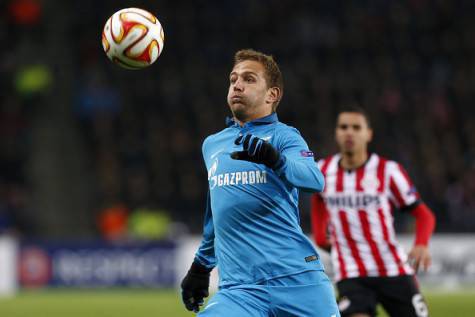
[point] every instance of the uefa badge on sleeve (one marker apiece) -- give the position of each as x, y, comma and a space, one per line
306, 153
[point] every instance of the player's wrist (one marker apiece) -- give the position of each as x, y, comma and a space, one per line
268, 155
197, 268
279, 162
422, 244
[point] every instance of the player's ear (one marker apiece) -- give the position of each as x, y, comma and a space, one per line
370, 134
273, 94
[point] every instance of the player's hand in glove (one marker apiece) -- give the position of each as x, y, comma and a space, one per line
194, 287
258, 151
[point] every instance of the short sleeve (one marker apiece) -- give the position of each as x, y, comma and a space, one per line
402, 190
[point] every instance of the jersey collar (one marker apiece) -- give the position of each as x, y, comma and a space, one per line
272, 118
370, 155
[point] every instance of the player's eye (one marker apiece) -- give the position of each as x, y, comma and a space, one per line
250, 79
356, 127
343, 126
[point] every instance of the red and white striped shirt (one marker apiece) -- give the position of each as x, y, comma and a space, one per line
358, 205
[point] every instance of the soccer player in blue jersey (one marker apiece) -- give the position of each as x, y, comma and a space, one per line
256, 167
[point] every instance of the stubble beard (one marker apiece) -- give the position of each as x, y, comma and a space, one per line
241, 111
348, 152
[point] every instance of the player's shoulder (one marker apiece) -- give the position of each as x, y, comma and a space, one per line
210, 138
381, 158
286, 134
207, 141
214, 138
285, 128
389, 164
328, 160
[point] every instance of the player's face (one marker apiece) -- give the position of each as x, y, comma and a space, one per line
352, 132
248, 96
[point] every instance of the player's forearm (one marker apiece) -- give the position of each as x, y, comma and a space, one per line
206, 257
319, 219
205, 254
302, 174
425, 224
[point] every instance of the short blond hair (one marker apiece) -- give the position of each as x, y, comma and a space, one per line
272, 72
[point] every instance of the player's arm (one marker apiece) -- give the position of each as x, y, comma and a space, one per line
425, 225
196, 282
298, 166
205, 255
319, 218
407, 199
290, 159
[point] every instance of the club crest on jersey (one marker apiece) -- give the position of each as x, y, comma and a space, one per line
370, 183
212, 169
211, 174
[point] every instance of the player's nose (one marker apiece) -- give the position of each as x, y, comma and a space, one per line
238, 85
350, 132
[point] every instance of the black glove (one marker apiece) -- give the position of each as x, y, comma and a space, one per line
194, 287
258, 151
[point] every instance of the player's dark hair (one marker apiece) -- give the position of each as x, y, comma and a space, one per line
355, 109
272, 72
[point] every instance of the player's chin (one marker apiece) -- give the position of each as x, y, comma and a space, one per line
239, 109
348, 150
236, 104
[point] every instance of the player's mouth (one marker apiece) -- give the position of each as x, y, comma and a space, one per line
237, 99
349, 143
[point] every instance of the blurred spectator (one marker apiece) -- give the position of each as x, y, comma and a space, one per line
33, 79
25, 12
118, 224
149, 224
112, 222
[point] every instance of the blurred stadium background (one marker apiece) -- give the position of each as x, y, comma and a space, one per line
102, 185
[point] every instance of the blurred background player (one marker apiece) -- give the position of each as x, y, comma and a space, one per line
362, 189
256, 166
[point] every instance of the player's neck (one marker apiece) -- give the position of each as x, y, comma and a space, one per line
350, 161
254, 116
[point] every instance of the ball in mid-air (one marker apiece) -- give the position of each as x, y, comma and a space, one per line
133, 38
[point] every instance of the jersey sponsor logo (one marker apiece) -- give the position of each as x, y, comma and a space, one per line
212, 169
235, 178
238, 178
306, 153
351, 201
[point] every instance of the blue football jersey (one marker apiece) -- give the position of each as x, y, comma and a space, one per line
252, 228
